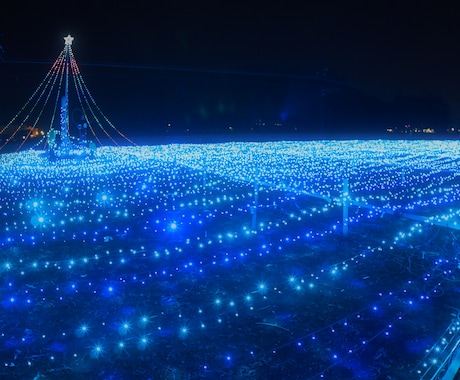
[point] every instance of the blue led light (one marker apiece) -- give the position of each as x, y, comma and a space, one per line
142, 251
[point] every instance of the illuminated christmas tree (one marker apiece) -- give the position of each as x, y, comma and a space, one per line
37, 119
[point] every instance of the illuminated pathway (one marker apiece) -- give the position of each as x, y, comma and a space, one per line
148, 262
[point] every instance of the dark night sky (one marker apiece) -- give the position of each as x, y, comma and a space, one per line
382, 49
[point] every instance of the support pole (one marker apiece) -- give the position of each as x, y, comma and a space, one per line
65, 119
205, 169
345, 201
256, 200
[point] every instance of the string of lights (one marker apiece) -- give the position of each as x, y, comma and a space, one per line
83, 89
39, 109
148, 254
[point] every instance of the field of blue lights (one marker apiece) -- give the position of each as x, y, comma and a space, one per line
278, 260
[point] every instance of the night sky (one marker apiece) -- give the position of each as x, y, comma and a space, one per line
205, 66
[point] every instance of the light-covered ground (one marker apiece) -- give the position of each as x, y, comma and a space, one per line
231, 260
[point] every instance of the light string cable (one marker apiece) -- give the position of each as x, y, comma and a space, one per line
80, 93
333, 327
51, 89
42, 86
50, 72
58, 94
345, 321
324, 328
443, 270
329, 336
78, 80
61, 74
83, 86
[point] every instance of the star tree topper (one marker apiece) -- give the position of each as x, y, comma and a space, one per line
68, 40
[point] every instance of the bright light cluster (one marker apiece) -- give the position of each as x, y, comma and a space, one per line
230, 259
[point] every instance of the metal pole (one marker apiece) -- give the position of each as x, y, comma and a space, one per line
345, 200
65, 140
205, 169
256, 200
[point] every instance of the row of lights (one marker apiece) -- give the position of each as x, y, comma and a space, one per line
145, 222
